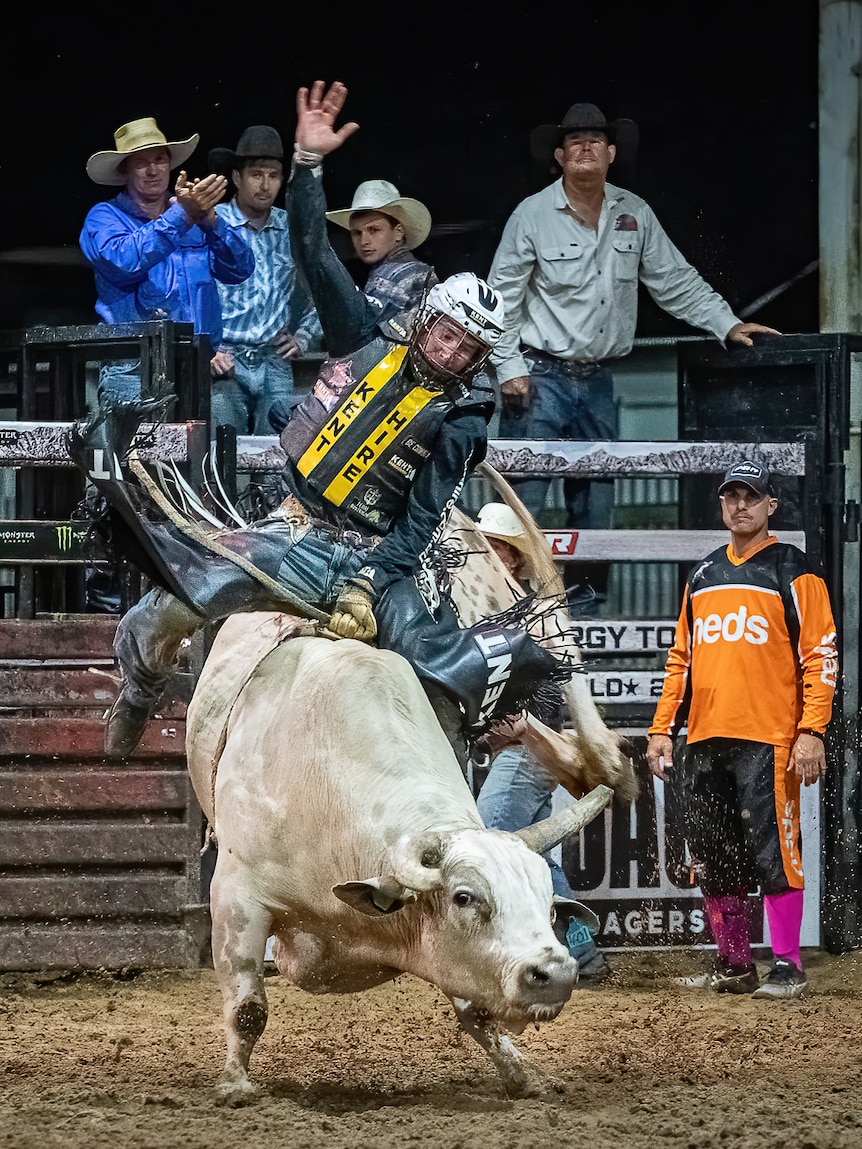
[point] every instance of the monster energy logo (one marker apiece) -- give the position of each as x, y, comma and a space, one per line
64, 536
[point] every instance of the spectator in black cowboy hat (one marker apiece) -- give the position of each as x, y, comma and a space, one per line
269, 318
568, 266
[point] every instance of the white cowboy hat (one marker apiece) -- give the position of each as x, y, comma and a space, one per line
380, 195
498, 521
104, 167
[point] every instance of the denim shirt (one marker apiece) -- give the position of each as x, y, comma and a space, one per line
166, 268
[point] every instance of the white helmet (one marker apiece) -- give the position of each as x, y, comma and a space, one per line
476, 308
500, 522
472, 304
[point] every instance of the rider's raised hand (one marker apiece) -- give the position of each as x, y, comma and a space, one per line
317, 109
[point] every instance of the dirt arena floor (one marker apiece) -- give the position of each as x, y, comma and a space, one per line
102, 1061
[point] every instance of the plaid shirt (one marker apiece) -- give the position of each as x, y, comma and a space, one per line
400, 281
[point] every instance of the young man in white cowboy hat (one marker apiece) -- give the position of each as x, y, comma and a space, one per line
568, 266
385, 227
518, 790
752, 673
377, 455
268, 319
158, 247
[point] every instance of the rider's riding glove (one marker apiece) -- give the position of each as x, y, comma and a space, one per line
353, 616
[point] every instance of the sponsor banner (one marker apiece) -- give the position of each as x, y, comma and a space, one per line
632, 867
45, 541
625, 637
612, 686
562, 543
657, 924
24, 444
625, 458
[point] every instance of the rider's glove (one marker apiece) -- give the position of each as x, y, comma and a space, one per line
353, 616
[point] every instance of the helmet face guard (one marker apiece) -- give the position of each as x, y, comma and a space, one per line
463, 304
436, 335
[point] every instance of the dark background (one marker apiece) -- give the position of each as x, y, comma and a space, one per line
725, 99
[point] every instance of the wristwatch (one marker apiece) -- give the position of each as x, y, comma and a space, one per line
813, 733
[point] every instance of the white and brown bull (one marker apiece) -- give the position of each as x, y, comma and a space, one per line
345, 828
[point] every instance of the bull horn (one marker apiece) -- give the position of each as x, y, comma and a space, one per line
417, 859
543, 836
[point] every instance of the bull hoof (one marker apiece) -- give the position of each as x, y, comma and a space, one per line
231, 1093
517, 1083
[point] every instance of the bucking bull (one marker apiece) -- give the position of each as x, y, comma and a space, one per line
346, 830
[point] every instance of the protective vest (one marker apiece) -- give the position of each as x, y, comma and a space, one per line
360, 437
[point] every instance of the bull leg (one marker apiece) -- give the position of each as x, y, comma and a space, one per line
240, 929
507, 1058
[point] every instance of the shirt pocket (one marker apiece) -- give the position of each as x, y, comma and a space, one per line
562, 266
627, 254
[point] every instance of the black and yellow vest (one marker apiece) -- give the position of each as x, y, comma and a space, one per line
360, 437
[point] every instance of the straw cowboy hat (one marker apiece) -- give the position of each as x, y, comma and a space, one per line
257, 142
380, 195
104, 167
580, 118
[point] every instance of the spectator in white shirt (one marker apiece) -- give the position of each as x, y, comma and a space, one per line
568, 266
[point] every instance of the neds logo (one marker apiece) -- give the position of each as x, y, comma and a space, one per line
732, 627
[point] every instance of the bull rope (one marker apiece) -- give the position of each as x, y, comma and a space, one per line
193, 531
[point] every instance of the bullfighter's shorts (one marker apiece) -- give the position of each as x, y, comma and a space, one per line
741, 811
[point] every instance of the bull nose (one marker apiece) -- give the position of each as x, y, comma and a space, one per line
549, 981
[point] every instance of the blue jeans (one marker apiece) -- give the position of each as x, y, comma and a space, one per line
568, 401
121, 380
243, 400
517, 792
149, 635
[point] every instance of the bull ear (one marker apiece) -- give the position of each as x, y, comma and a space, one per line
374, 896
544, 835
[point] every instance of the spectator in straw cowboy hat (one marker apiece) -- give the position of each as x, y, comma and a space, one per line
269, 318
158, 251
568, 266
385, 228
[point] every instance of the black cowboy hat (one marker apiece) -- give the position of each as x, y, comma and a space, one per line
257, 142
581, 118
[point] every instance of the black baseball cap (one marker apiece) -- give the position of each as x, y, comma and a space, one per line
753, 475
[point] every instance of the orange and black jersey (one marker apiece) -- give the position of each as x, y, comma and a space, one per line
754, 656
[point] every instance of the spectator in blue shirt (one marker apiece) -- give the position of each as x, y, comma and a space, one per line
157, 255
268, 319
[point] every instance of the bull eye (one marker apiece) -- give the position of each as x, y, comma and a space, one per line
462, 898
